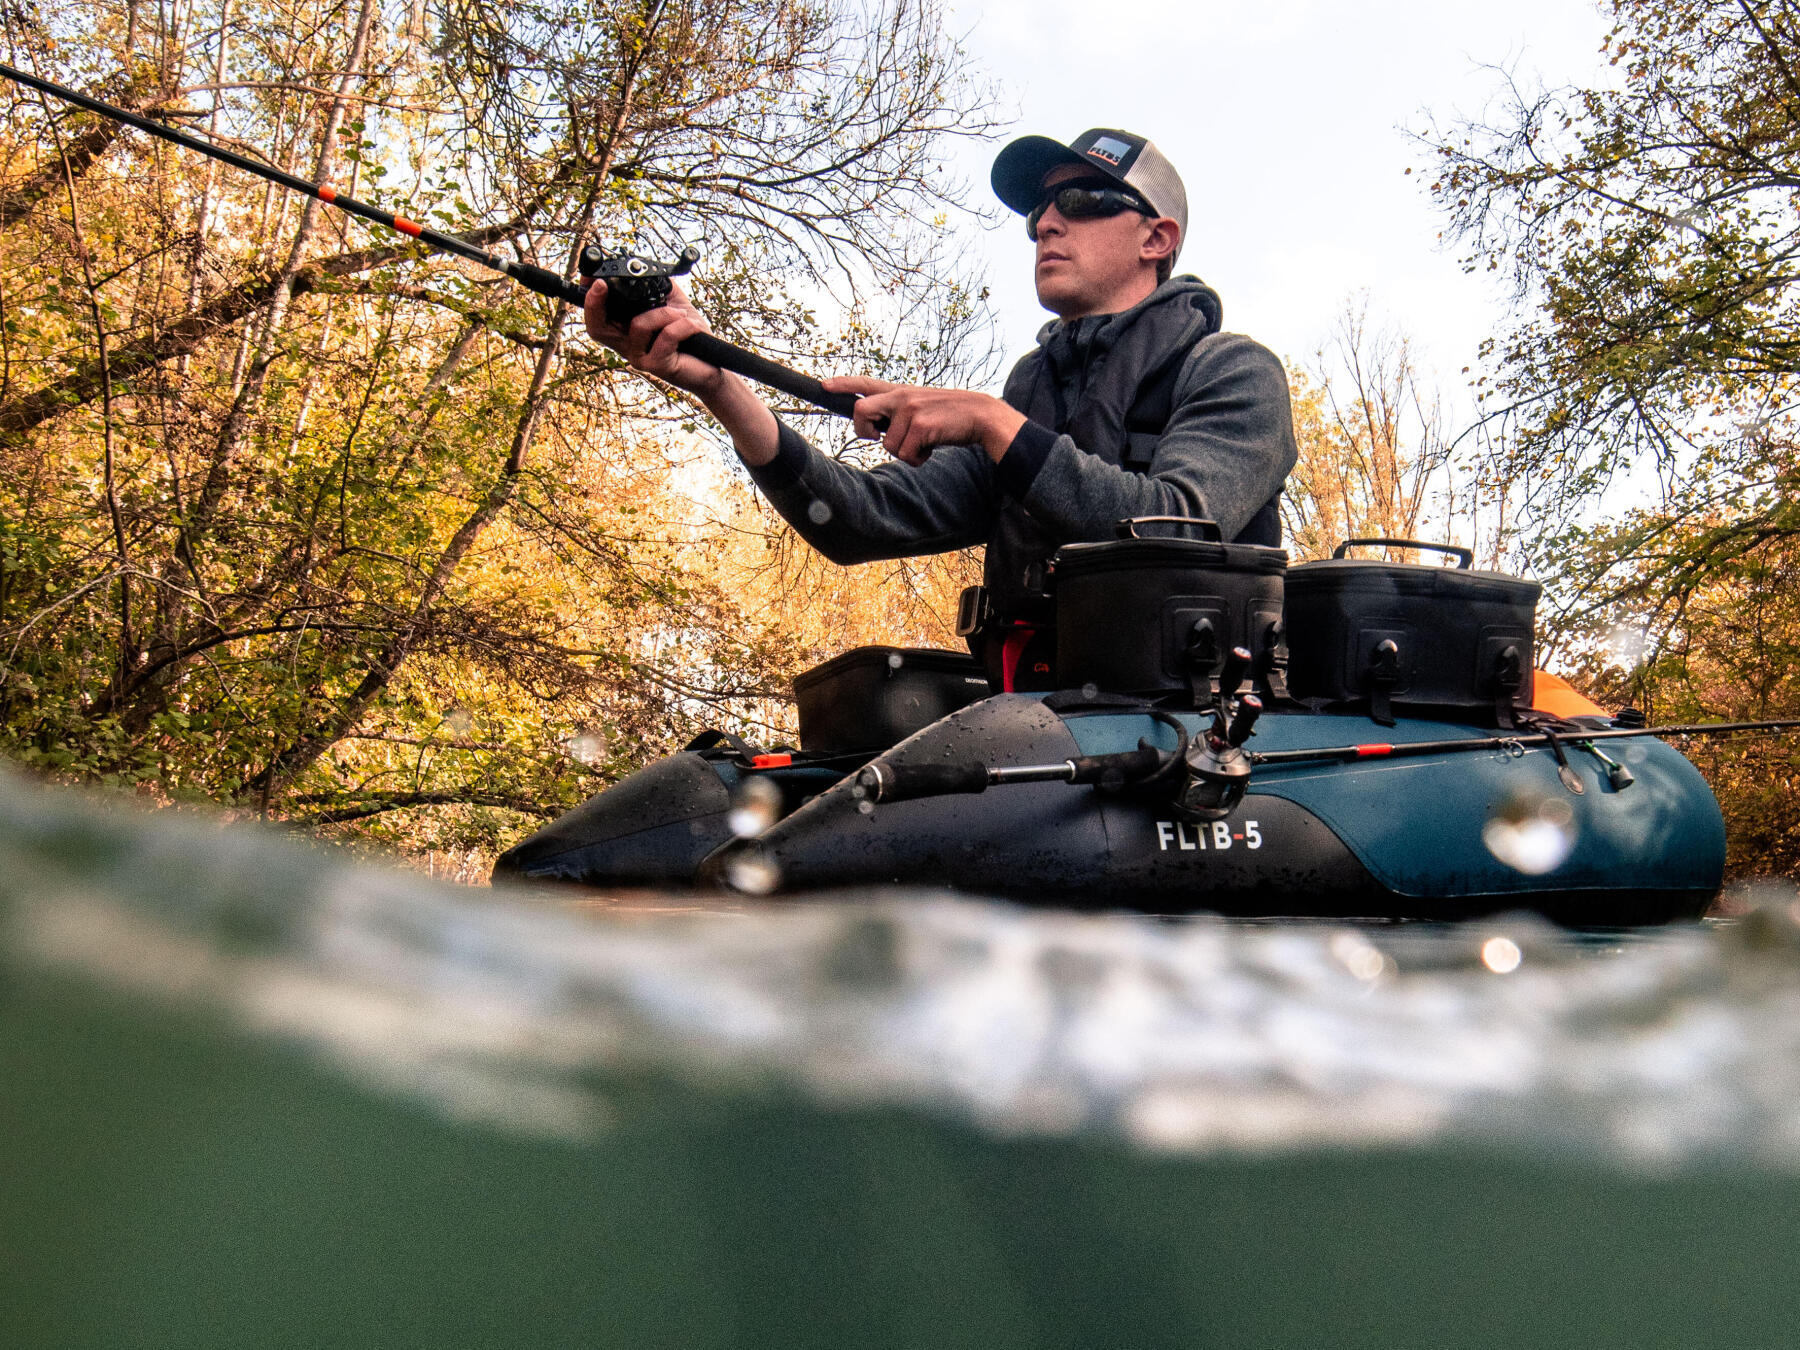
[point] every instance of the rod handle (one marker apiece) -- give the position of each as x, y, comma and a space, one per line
885, 782
712, 350
717, 352
1121, 769
545, 282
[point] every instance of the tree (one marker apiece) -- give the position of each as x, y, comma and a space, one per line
1651, 230
1652, 233
1719, 641
328, 526
1374, 459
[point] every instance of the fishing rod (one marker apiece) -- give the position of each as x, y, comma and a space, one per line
1218, 771
633, 284
1576, 735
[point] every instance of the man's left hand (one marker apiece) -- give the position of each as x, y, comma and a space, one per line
920, 417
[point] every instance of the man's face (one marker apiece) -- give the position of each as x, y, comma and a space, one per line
1085, 266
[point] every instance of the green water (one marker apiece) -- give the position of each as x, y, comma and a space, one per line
251, 1100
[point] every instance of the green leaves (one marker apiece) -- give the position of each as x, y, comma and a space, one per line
1646, 391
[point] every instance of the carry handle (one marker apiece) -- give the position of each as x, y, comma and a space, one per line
1465, 556
1209, 530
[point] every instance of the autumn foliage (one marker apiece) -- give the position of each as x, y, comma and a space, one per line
296, 516
1643, 403
302, 518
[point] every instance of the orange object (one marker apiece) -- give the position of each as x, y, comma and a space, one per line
771, 761
1554, 695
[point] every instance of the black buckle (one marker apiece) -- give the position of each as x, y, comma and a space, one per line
974, 612
1509, 679
1384, 677
1270, 670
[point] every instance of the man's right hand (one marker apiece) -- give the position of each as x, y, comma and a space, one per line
649, 344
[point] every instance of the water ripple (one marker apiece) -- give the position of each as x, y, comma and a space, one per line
1651, 1049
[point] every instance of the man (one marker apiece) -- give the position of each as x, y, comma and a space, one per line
1134, 404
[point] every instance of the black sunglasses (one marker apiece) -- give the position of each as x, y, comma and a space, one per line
1085, 200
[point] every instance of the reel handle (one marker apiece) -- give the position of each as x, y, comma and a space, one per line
715, 351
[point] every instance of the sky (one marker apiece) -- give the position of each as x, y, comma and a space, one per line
1287, 123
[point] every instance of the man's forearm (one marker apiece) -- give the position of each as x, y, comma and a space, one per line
746, 418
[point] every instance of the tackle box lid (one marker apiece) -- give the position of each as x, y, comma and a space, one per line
891, 662
1364, 576
1114, 555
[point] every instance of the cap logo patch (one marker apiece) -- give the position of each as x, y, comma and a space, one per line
1110, 150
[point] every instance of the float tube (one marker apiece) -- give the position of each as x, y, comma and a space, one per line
1394, 764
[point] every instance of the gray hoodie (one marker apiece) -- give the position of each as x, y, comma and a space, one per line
1223, 455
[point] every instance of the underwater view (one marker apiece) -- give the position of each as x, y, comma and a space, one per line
256, 1095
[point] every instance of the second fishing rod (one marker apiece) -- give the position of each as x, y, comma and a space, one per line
633, 284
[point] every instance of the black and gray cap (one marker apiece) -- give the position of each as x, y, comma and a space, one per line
1019, 170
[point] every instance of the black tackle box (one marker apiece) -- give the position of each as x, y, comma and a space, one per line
870, 698
1437, 641
1155, 616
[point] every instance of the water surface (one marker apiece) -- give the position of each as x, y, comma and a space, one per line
257, 1096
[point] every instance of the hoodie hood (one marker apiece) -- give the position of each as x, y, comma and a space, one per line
1103, 330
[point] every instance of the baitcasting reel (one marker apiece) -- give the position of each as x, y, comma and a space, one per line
633, 284
1218, 768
